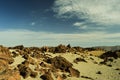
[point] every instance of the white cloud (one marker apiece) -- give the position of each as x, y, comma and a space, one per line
105, 12
31, 38
33, 23
81, 25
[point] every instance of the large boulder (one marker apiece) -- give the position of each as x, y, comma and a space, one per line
59, 63
74, 72
60, 49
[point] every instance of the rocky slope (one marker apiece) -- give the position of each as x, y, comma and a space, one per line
58, 63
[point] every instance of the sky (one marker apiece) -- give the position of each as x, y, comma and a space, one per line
82, 23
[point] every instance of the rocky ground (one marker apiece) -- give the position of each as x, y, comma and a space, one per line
58, 63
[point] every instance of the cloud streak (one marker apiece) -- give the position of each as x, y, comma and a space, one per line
98, 12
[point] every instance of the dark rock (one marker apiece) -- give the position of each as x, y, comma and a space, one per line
68, 46
79, 60
60, 49
46, 77
64, 76
74, 72
117, 69
99, 72
103, 63
87, 77
21, 47
33, 74
78, 49
109, 65
14, 54
52, 49
25, 56
44, 49
109, 54
60, 63
24, 71
26, 63
42, 64
110, 59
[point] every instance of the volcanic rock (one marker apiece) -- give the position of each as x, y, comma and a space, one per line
24, 71
60, 63
79, 60
109, 54
33, 74
74, 72
60, 49
46, 77
20, 47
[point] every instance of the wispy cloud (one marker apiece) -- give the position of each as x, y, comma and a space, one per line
31, 38
33, 23
98, 12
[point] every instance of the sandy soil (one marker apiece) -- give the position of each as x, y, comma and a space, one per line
88, 69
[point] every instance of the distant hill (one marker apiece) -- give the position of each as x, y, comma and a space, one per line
108, 48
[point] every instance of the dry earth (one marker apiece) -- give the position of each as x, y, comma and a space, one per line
57, 63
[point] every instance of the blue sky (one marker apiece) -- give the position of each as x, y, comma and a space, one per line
52, 22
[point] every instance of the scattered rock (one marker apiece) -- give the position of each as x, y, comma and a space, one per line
79, 60
109, 65
102, 63
117, 69
42, 64
99, 72
14, 54
26, 63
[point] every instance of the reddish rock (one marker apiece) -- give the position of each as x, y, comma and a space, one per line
59, 63
5, 54
74, 72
